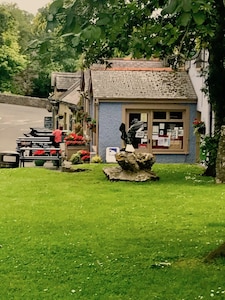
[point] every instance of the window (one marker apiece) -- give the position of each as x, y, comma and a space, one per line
158, 128
168, 132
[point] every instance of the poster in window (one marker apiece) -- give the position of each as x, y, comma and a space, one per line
155, 129
140, 134
163, 142
180, 131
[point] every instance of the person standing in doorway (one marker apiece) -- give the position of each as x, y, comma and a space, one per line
57, 134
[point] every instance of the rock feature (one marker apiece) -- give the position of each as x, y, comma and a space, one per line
132, 167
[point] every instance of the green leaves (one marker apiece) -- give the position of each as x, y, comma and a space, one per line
104, 21
91, 33
185, 18
55, 6
188, 10
199, 18
186, 5
171, 7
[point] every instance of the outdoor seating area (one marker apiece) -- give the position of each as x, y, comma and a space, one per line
28, 154
38, 146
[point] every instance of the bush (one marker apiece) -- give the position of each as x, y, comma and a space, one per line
80, 157
96, 159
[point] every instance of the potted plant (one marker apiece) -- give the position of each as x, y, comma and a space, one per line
80, 157
96, 159
39, 162
199, 127
74, 143
73, 139
92, 125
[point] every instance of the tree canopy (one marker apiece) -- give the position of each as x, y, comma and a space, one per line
26, 63
11, 60
139, 28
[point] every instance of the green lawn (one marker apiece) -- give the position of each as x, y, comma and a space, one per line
80, 236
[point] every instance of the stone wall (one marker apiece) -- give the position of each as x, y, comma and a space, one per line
24, 101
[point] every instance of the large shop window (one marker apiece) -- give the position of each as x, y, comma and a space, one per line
168, 130
158, 131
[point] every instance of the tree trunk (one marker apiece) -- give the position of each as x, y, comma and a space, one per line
216, 76
220, 162
217, 253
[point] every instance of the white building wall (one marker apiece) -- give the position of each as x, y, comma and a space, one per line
203, 106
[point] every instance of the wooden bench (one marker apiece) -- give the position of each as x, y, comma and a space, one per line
27, 155
31, 141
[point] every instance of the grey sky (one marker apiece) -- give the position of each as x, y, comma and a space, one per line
31, 6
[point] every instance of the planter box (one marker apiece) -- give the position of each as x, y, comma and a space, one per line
71, 149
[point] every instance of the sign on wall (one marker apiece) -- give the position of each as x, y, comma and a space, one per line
48, 122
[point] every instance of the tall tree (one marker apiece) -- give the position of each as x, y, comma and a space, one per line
48, 52
11, 60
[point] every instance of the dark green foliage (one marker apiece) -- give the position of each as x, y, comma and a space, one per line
42, 85
216, 78
208, 153
11, 60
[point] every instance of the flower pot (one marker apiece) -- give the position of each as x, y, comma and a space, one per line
39, 162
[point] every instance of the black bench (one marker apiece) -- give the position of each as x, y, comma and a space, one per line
31, 141
27, 155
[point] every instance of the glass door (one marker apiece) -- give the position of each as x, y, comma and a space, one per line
138, 130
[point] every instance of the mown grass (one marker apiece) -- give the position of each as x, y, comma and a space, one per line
80, 236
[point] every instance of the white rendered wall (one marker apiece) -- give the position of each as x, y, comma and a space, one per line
197, 80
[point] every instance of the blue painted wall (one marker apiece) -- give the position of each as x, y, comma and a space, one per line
110, 119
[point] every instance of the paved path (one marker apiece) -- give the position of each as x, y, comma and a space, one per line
16, 120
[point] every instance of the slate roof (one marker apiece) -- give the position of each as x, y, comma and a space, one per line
128, 64
72, 95
64, 80
155, 83
66, 87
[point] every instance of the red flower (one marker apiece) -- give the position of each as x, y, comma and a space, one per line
53, 152
85, 157
197, 123
84, 152
74, 139
39, 152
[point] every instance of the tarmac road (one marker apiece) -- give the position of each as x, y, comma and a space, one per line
16, 120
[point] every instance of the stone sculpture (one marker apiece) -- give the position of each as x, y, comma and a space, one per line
132, 166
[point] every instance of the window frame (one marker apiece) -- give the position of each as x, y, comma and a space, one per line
151, 108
